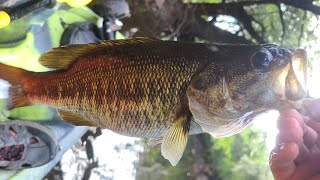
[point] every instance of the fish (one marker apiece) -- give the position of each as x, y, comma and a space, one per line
163, 90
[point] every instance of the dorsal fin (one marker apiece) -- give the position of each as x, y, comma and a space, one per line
62, 57
137, 40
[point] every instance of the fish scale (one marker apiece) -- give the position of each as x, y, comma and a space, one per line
144, 87
112, 91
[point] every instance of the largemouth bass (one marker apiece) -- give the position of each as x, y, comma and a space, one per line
163, 90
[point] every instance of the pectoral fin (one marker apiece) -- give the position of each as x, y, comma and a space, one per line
75, 119
175, 140
154, 142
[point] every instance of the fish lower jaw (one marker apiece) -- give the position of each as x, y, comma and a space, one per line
296, 104
288, 104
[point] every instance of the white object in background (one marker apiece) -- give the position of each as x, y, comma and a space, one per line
4, 89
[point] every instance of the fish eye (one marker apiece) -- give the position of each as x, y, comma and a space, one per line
261, 60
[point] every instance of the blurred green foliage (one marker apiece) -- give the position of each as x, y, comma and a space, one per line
22, 54
152, 165
3, 114
294, 20
10, 33
243, 156
32, 113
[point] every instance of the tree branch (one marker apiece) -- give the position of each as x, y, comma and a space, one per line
237, 11
208, 31
282, 22
201, 169
184, 19
302, 28
246, 20
304, 5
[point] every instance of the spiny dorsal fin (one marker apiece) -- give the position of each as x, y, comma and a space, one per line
62, 57
75, 119
136, 40
175, 140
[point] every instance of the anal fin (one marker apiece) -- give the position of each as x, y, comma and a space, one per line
75, 119
175, 140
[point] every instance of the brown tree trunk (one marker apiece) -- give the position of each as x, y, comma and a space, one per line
201, 170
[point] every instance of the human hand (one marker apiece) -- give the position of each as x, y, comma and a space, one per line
297, 154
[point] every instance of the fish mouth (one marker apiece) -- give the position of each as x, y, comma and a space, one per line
296, 80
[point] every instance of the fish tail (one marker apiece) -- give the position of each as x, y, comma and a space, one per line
14, 77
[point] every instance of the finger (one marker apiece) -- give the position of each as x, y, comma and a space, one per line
313, 109
292, 129
314, 125
308, 168
291, 126
318, 143
282, 160
292, 113
310, 137
316, 177
303, 153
